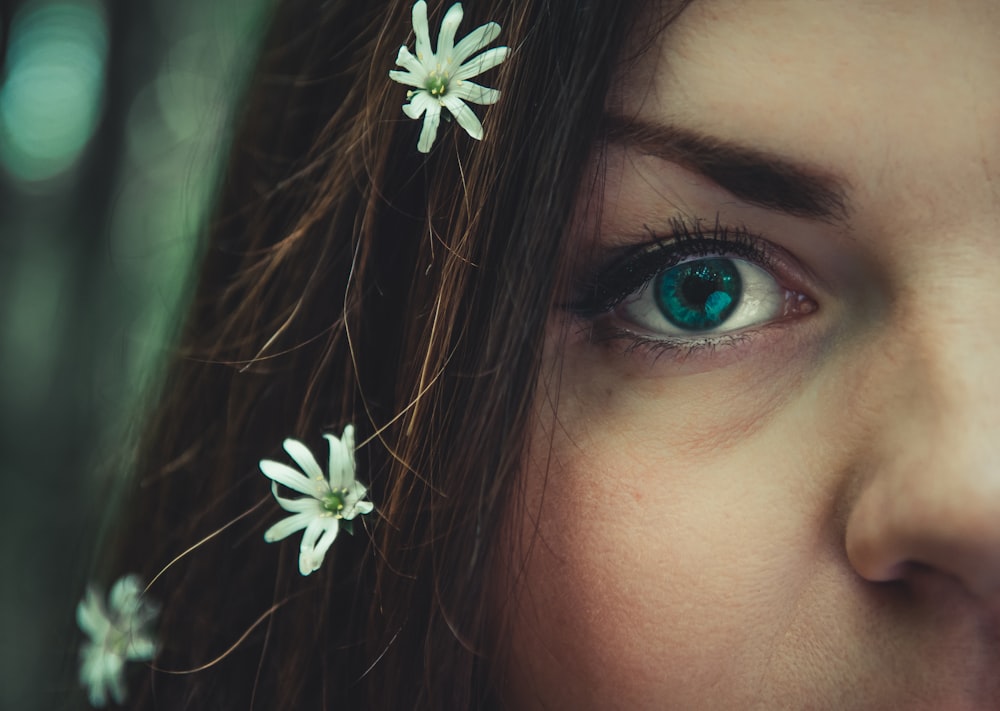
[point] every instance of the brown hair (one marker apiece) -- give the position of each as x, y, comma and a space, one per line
348, 278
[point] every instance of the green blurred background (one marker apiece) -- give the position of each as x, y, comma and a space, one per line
114, 115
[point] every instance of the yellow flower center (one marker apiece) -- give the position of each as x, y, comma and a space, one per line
437, 84
335, 501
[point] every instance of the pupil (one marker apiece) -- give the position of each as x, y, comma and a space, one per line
698, 286
699, 295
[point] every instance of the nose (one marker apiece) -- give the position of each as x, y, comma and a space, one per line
928, 498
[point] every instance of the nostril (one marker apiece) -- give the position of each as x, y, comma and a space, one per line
873, 544
910, 537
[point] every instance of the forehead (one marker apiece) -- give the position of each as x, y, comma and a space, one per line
900, 98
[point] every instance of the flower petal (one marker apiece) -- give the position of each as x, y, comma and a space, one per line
477, 65
314, 530
287, 526
423, 44
325, 541
310, 559
476, 93
294, 480
140, 648
431, 120
449, 26
116, 684
412, 65
475, 41
124, 596
97, 673
97, 696
91, 616
417, 105
406, 78
464, 115
355, 491
341, 458
304, 458
306, 503
144, 612
120, 636
358, 508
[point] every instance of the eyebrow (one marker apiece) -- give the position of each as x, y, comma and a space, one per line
754, 176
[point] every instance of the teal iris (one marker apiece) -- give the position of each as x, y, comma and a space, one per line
698, 295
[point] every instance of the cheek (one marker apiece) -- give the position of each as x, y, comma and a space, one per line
664, 548
629, 585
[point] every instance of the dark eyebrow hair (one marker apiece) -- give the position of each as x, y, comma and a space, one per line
754, 176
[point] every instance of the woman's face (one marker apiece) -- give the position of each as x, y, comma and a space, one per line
771, 412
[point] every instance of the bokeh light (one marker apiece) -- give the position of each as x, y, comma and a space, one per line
51, 100
115, 116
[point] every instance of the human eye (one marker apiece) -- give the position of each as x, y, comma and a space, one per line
693, 289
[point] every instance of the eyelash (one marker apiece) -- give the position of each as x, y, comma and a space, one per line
627, 271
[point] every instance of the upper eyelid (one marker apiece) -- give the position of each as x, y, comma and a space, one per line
596, 299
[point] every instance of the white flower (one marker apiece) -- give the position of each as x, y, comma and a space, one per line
442, 78
329, 501
118, 633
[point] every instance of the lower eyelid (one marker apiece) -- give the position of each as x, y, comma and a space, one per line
690, 356
682, 348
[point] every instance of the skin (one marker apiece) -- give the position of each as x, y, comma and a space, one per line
808, 518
